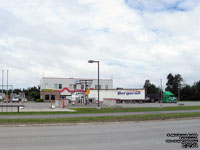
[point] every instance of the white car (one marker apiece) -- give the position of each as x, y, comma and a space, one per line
15, 99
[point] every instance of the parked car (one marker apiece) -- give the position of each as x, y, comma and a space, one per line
6, 101
15, 99
24, 99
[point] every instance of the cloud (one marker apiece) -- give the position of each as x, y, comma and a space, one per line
162, 5
57, 38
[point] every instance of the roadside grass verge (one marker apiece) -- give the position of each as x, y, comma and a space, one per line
189, 101
107, 110
133, 109
98, 119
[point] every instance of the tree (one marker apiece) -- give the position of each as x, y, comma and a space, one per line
195, 89
34, 92
17, 91
169, 83
150, 88
186, 93
173, 83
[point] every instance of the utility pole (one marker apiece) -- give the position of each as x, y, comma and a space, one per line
179, 91
161, 94
2, 84
93, 61
7, 85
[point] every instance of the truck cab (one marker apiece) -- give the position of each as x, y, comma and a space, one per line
169, 97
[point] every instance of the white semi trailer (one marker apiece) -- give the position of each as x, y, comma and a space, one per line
114, 96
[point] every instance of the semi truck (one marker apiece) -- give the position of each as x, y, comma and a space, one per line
116, 96
167, 97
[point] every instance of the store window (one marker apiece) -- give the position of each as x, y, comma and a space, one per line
71, 86
96, 87
106, 87
53, 97
82, 87
58, 86
46, 97
46, 85
55, 86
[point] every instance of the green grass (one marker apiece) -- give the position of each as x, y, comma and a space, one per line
189, 101
107, 110
135, 109
98, 119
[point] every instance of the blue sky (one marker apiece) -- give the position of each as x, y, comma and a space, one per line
134, 40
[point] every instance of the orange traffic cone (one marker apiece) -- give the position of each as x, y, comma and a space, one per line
22, 103
63, 103
51, 104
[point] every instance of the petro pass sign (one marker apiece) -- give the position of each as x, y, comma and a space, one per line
129, 93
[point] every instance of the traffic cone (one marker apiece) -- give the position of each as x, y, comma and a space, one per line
63, 103
22, 103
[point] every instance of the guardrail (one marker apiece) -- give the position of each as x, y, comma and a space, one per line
11, 108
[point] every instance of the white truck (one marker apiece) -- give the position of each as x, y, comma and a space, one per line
15, 99
114, 96
76, 97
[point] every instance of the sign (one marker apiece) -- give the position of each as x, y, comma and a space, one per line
48, 90
129, 93
87, 92
77, 81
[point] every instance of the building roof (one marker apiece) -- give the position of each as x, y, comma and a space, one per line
73, 78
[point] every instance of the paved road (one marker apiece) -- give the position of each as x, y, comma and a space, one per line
158, 104
110, 136
92, 115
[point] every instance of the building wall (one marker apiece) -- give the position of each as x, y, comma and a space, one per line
60, 83
51, 95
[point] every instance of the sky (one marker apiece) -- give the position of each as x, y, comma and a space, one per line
134, 40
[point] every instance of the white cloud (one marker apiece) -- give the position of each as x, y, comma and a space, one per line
57, 38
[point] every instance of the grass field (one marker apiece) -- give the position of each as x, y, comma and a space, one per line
98, 119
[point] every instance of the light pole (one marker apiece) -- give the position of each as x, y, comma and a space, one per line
94, 61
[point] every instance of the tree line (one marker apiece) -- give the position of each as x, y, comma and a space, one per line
177, 87
174, 84
32, 93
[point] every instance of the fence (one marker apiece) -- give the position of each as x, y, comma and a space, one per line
10, 108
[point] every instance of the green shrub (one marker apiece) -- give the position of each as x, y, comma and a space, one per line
39, 100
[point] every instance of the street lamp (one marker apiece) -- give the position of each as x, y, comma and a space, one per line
94, 61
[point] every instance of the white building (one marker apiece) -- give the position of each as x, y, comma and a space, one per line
56, 88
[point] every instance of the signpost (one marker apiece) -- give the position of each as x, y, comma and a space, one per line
87, 92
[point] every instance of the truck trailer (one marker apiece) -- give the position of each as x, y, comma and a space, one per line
114, 96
